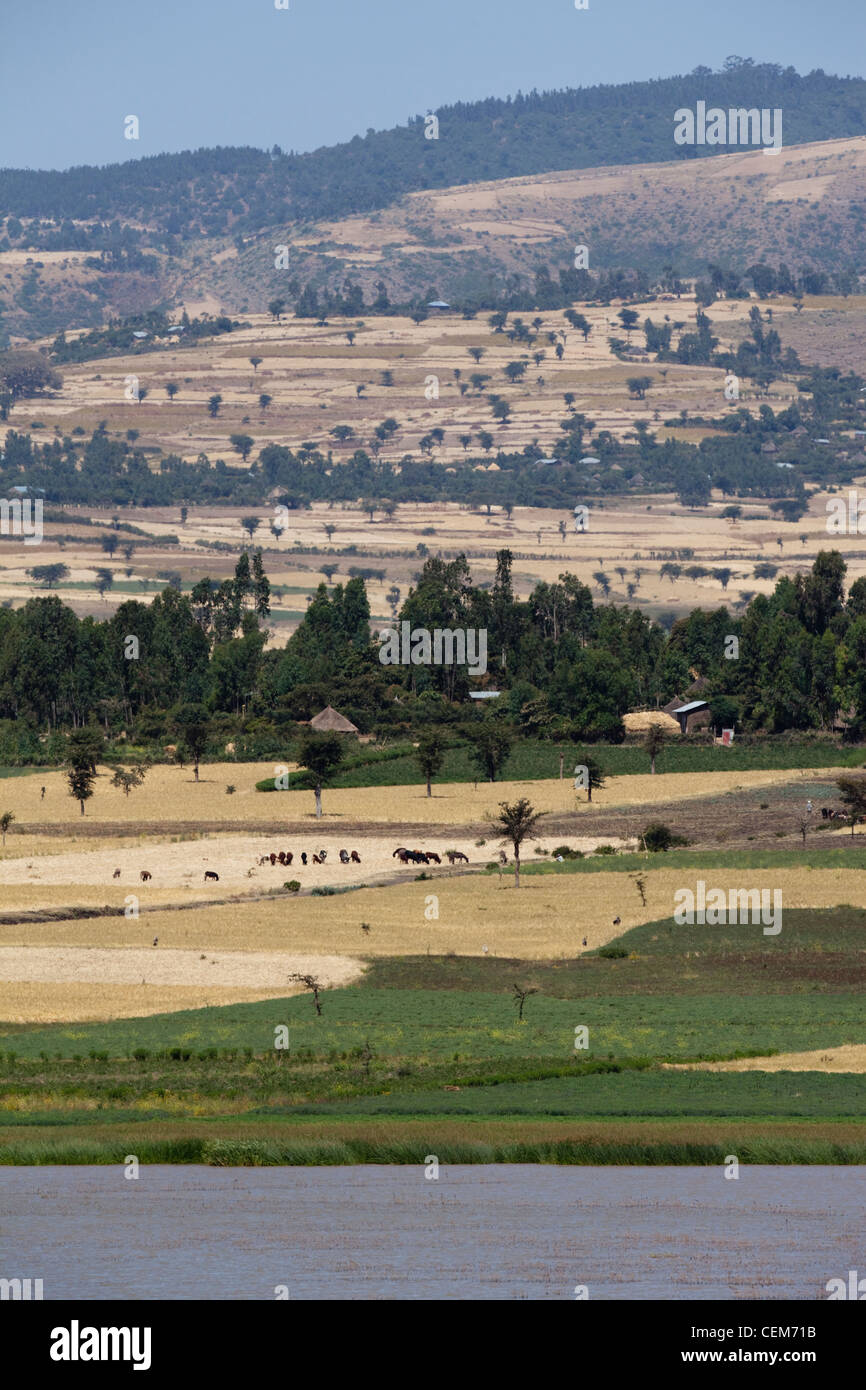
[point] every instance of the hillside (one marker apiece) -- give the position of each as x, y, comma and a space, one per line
508, 187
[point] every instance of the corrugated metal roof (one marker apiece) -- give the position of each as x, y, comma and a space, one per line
693, 705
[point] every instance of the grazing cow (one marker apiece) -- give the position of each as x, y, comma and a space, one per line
144, 875
316, 859
281, 857
355, 857
323, 854
273, 858
289, 858
209, 873
116, 874
398, 853
265, 859
825, 814
433, 858
304, 858
456, 854
344, 856
617, 921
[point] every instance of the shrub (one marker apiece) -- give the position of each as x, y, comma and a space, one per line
613, 952
323, 892
604, 849
566, 852
659, 838
293, 885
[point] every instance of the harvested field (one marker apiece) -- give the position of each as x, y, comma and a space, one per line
547, 919
132, 982
170, 795
850, 1057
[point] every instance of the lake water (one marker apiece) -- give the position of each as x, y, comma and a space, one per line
479, 1232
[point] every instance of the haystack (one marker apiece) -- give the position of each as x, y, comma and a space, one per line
644, 719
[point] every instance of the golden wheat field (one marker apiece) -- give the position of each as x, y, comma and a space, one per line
549, 917
848, 1057
171, 795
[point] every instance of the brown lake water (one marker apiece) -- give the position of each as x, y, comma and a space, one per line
478, 1232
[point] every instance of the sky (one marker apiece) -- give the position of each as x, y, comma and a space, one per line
242, 72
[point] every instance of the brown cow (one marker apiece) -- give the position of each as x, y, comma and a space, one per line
116, 874
433, 858
209, 873
316, 859
144, 875
273, 858
355, 857
289, 858
453, 854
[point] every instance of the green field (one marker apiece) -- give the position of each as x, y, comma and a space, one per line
535, 758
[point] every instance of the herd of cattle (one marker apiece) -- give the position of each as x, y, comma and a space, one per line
828, 813
286, 858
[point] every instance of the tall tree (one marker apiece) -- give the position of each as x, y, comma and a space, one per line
517, 822
321, 755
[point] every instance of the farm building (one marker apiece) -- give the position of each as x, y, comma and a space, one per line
330, 721
694, 715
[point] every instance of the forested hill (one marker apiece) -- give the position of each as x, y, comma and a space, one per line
238, 190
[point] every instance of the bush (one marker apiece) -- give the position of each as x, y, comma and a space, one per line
613, 952
604, 849
566, 852
659, 837
323, 892
293, 886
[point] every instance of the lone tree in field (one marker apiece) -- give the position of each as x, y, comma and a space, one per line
430, 756
321, 755
171, 389
654, 744
213, 405
312, 983
5, 821
242, 444
81, 781
250, 524
852, 791
256, 362
591, 774
517, 823
489, 749
195, 728
521, 994
128, 778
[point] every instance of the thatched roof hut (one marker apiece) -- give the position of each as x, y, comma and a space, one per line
329, 721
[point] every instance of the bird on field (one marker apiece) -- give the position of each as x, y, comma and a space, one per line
583, 942
155, 940
616, 921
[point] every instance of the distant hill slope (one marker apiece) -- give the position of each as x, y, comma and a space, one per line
243, 190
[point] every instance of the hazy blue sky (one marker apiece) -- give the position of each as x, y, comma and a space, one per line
241, 72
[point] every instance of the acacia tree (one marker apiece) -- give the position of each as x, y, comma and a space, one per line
517, 823
128, 778
593, 774
321, 755
430, 756
312, 983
